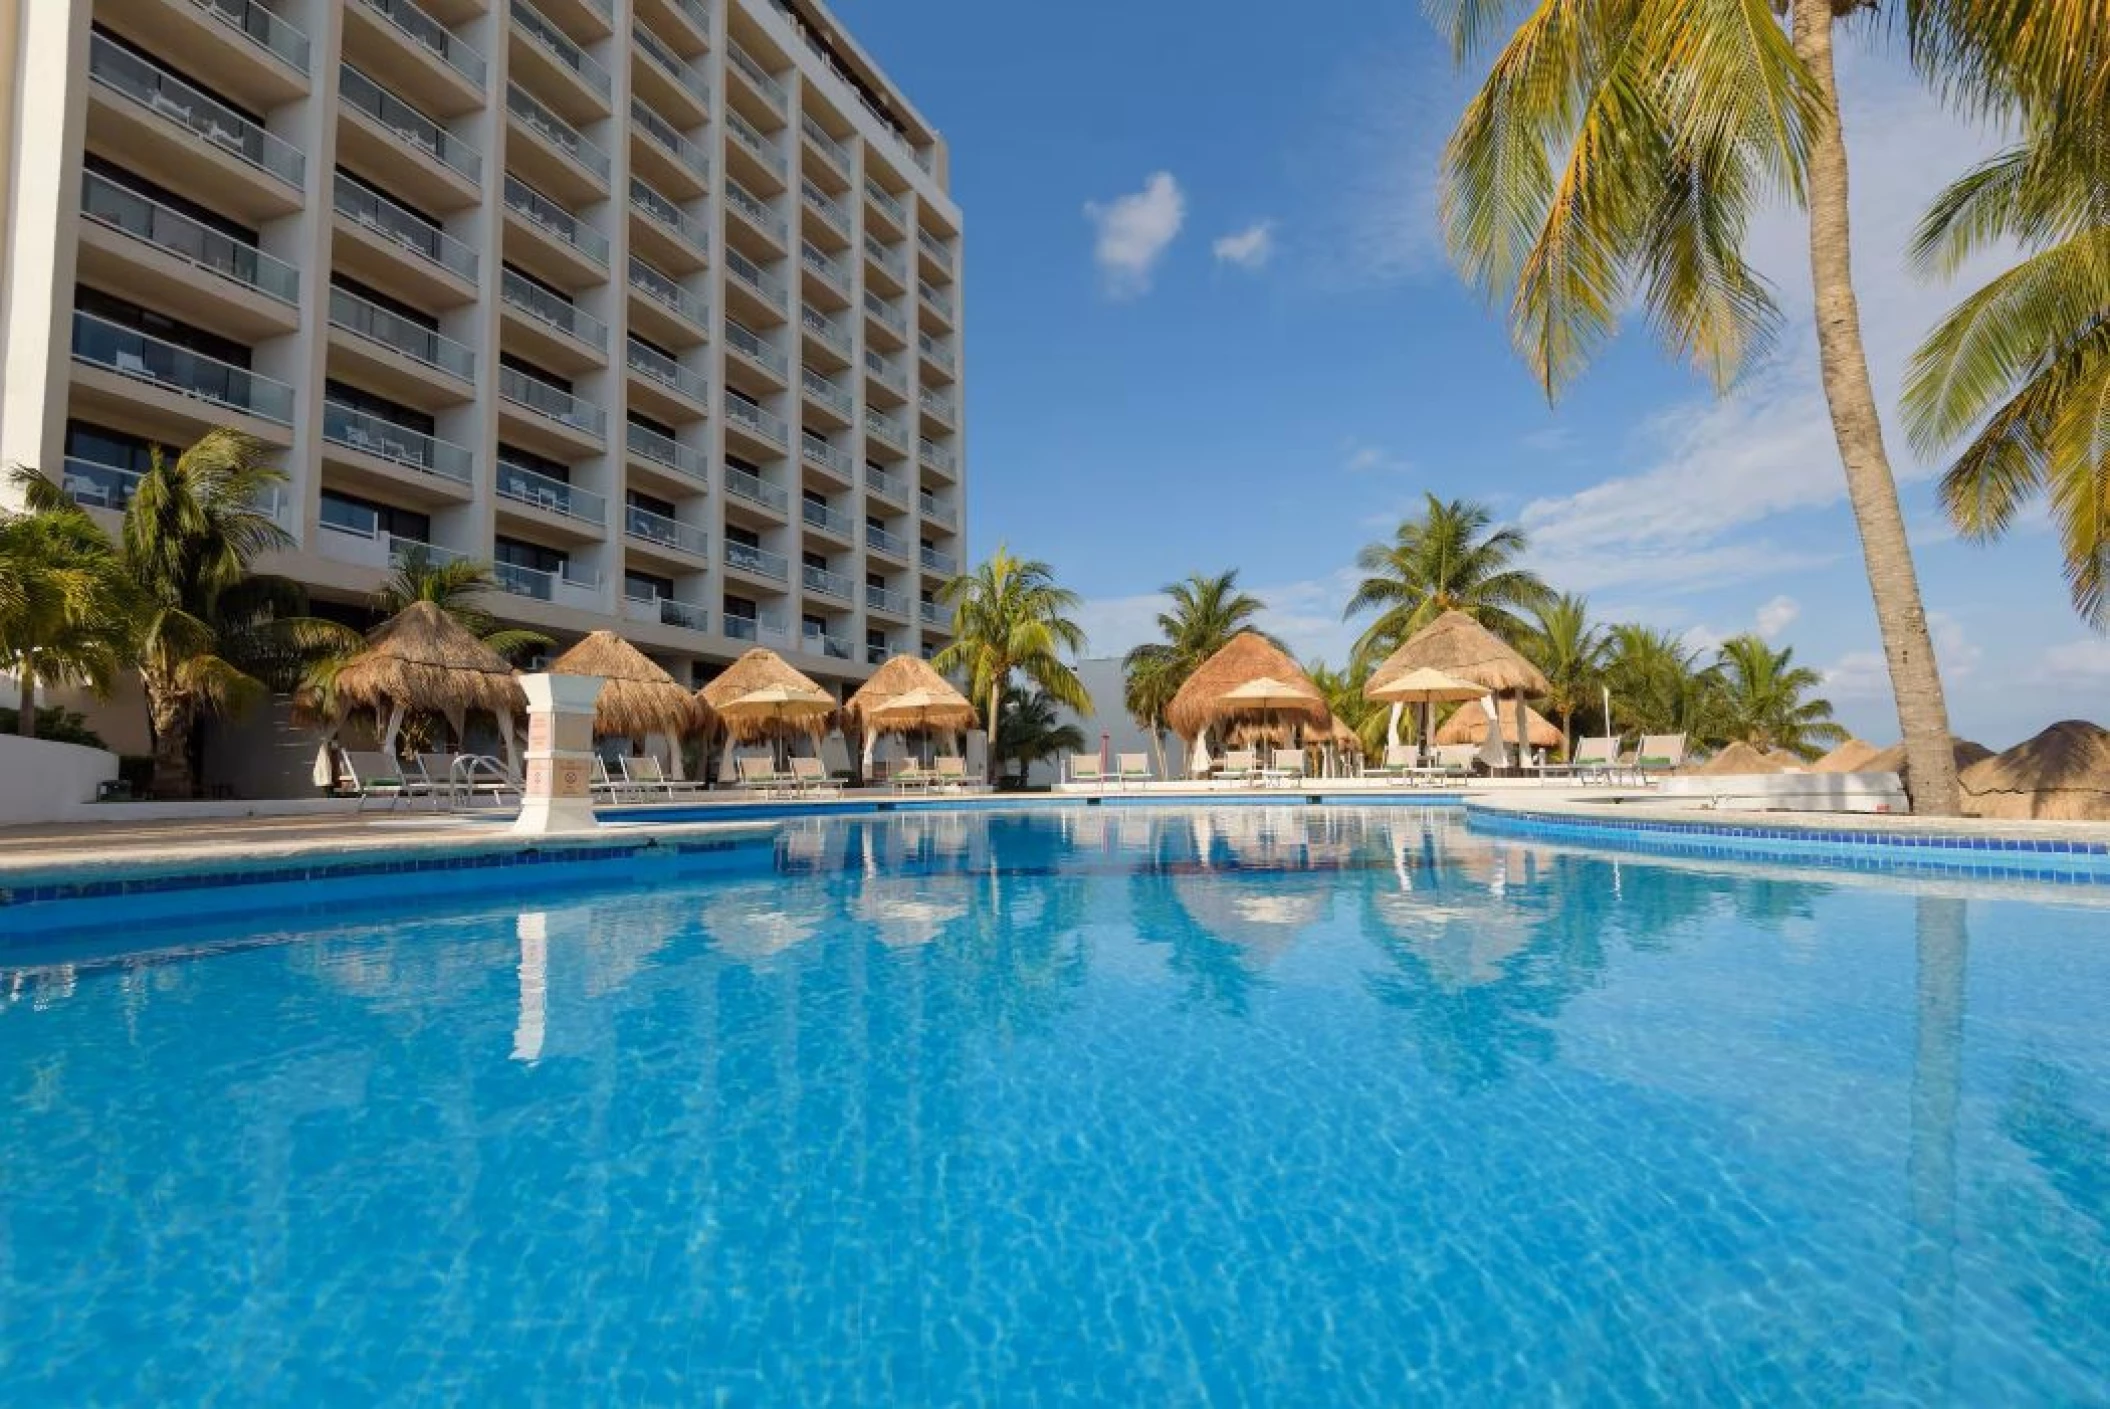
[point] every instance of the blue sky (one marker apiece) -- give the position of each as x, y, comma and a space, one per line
1210, 324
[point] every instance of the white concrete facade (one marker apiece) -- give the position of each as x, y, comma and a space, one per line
654, 303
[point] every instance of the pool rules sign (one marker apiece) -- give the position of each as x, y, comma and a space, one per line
559, 795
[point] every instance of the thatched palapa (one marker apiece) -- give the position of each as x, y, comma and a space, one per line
1468, 725
638, 697
423, 659
1459, 646
1249, 657
1892, 759
2062, 775
1853, 756
1737, 760
762, 670
906, 675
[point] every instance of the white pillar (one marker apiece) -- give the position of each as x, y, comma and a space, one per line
531, 1025
558, 795
1392, 723
393, 729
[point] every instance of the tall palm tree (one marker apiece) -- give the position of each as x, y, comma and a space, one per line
1032, 732
1620, 148
1343, 691
1150, 678
1009, 614
1657, 682
1764, 700
65, 598
213, 634
1570, 652
1201, 617
1452, 558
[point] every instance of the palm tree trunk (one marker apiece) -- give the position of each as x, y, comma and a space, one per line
26, 717
992, 768
1923, 713
169, 720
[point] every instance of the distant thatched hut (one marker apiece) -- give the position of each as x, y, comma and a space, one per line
759, 698
1462, 648
1892, 760
2061, 775
423, 659
906, 675
1736, 760
638, 697
1853, 756
1249, 657
1468, 725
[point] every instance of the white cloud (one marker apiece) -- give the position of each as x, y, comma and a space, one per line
1777, 616
1703, 640
2078, 664
1865, 675
1365, 458
1250, 248
1134, 231
1305, 614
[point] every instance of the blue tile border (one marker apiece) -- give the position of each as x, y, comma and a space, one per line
2052, 860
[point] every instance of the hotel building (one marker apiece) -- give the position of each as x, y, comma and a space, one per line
652, 304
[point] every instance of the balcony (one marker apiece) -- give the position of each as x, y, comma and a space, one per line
880, 599
398, 334
935, 248
887, 315
763, 626
430, 35
684, 154
365, 96
556, 48
741, 484
934, 300
164, 95
198, 245
828, 584
935, 512
890, 262
94, 485
663, 532
562, 590
755, 421
824, 205
651, 362
884, 201
551, 402
767, 154
757, 213
822, 643
751, 346
832, 274
555, 221
880, 541
944, 564
826, 392
140, 357
936, 456
663, 212
830, 521
886, 428
693, 308
552, 496
770, 90
746, 271
886, 486
667, 611
933, 615
936, 352
683, 75
561, 137
685, 460
815, 451
406, 230
553, 312
399, 445
369, 546
829, 333
886, 373
759, 561
941, 408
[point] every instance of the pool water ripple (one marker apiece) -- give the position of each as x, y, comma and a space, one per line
1245, 1106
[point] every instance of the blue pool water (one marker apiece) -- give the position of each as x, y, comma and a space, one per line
1252, 1106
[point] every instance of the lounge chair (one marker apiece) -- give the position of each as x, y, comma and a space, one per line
373, 774
1133, 768
1452, 763
1286, 768
1238, 766
1086, 772
912, 777
464, 777
605, 785
1397, 767
949, 771
811, 776
648, 775
1594, 760
760, 775
1659, 754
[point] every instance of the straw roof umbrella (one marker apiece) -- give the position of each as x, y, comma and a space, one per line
1853, 756
921, 709
1737, 759
1459, 646
422, 658
1249, 657
2062, 775
1469, 726
759, 697
899, 676
1423, 685
1892, 760
638, 697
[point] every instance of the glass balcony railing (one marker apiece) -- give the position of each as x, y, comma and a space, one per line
541, 491
745, 484
880, 599
159, 91
540, 585
939, 562
932, 614
759, 561
940, 406
888, 429
764, 150
558, 45
662, 210
936, 300
885, 312
756, 211
833, 521
429, 34
172, 232
547, 215
755, 349
94, 485
823, 390
928, 504
556, 131
142, 357
822, 643
679, 69
649, 527
405, 229
935, 455
663, 290
825, 266
836, 153
936, 351
819, 452
831, 333
550, 310
686, 154
828, 584
651, 362
766, 424
754, 73
749, 273
762, 626
880, 541
885, 485
671, 611
935, 248
364, 95
698, 13
886, 372
553, 402
878, 195
893, 261
662, 449
261, 28
397, 333
825, 206
356, 430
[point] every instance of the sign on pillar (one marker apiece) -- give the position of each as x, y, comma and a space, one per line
558, 796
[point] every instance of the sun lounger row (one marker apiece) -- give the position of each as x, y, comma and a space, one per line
946, 774
452, 778
1130, 769
803, 777
1249, 768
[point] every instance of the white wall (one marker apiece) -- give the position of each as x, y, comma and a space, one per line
45, 782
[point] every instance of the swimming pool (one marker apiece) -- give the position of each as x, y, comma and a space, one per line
1252, 1105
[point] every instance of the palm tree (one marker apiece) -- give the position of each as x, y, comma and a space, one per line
1658, 685
1032, 732
1620, 149
1570, 652
1452, 558
1150, 678
212, 634
1008, 614
1763, 699
1203, 616
1343, 690
65, 599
